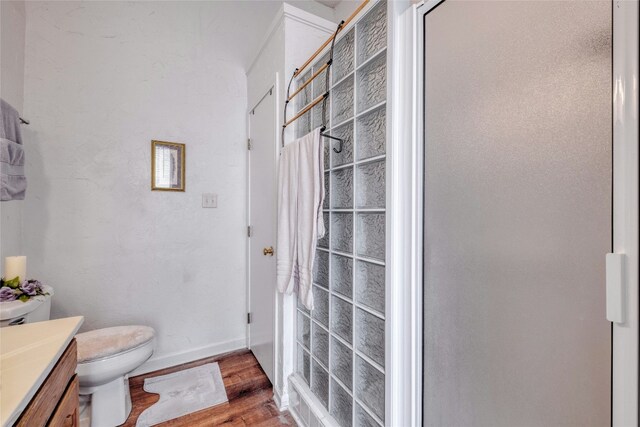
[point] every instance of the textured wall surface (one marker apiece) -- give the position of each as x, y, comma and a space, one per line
102, 80
12, 31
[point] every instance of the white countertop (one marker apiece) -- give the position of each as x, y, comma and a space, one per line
28, 353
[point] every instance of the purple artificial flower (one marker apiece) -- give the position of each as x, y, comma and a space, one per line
7, 294
38, 285
29, 288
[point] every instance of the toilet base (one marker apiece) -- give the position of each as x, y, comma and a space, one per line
84, 411
110, 403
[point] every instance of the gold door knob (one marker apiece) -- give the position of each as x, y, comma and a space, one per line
268, 251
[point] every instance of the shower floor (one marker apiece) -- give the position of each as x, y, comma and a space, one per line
248, 388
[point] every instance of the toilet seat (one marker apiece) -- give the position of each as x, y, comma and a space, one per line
109, 342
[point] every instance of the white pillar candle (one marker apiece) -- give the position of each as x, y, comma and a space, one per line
15, 266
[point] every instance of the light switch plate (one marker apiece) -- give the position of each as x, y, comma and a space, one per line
209, 200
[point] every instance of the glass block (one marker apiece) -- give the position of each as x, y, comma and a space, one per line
372, 32
327, 152
363, 419
323, 242
301, 306
342, 189
321, 269
342, 232
370, 235
372, 83
294, 400
370, 290
342, 101
320, 344
371, 188
316, 113
327, 193
303, 124
342, 275
341, 407
304, 410
342, 318
303, 363
342, 362
370, 336
320, 82
304, 97
303, 330
346, 133
372, 134
343, 57
320, 383
320, 310
369, 385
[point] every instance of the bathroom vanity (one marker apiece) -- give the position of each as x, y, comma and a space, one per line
38, 374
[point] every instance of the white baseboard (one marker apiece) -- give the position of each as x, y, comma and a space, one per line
281, 399
186, 356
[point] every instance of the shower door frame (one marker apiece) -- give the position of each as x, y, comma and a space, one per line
407, 141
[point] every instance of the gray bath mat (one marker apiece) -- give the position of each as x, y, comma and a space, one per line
182, 393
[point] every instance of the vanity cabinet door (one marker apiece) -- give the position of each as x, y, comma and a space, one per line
66, 414
52, 391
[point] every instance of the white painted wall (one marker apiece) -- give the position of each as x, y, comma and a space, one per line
269, 61
102, 80
12, 35
302, 38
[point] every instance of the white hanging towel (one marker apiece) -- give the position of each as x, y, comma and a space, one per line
286, 240
300, 224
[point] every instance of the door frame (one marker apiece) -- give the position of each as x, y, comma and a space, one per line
625, 352
407, 141
271, 91
403, 379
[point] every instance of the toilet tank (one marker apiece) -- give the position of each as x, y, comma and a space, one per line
36, 309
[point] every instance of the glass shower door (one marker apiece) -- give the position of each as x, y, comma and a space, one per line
517, 213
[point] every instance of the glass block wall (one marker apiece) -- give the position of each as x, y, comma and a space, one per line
340, 344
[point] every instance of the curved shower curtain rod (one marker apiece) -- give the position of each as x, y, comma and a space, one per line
326, 67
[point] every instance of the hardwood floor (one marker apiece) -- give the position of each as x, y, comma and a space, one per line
248, 389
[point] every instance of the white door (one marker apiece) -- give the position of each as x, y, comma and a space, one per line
262, 231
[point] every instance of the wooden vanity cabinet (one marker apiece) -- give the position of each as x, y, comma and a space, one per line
66, 414
56, 402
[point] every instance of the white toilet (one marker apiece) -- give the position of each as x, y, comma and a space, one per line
105, 357
35, 310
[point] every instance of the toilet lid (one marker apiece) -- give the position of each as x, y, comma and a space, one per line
107, 342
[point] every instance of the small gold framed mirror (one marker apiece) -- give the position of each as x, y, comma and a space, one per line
167, 166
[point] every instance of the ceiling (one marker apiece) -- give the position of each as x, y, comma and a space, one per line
232, 29
242, 25
330, 3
